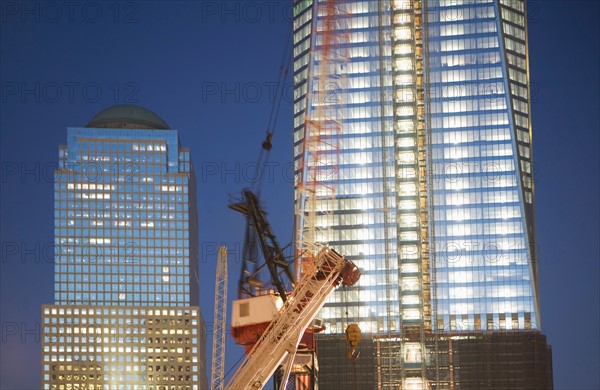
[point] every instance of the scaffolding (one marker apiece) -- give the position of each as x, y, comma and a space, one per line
319, 162
519, 360
304, 373
332, 351
410, 145
516, 360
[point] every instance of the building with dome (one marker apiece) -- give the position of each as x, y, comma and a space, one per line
125, 312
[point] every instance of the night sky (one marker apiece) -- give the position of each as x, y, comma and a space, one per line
209, 69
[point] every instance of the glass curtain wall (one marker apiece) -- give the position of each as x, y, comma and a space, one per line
480, 166
125, 219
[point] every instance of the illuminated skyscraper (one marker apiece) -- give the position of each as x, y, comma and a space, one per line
126, 310
412, 143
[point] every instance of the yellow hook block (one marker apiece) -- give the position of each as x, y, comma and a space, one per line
353, 335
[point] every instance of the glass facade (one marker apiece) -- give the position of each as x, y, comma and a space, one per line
421, 172
354, 217
126, 310
125, 219
480, 157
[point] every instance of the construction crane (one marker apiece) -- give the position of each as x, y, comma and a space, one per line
318, 164
220, 316
260, 235
254, 282
262, 295
279, 342
262, 308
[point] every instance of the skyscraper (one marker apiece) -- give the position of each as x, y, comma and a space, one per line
412, 144
126, 312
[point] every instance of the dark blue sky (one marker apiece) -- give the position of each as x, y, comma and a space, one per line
208, 69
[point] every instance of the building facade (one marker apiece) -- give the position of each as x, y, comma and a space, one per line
412, 148
126, 310
464, 360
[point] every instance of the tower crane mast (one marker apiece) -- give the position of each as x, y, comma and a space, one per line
319, 171
220, 316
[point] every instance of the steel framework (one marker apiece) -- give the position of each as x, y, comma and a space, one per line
220, 317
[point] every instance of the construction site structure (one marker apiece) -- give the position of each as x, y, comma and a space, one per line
263, 288
516, 360
220, 317
317, 170
263, 285
413, 247
279, 342
305, 368
259, 235
405, 201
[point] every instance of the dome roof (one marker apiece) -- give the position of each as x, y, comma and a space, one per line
126, 116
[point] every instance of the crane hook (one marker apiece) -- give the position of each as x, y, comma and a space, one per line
267, 142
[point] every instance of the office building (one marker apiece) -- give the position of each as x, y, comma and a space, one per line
412, 147
126, 312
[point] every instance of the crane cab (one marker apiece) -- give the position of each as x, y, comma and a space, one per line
251, 316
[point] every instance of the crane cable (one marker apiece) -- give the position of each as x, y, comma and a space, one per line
274, 114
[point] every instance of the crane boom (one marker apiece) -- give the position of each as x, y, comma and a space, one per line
259, 229
283, 334
218, 347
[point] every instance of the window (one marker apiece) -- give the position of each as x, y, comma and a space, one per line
244, 309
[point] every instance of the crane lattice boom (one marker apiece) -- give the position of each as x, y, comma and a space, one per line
282, 336
218, 347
